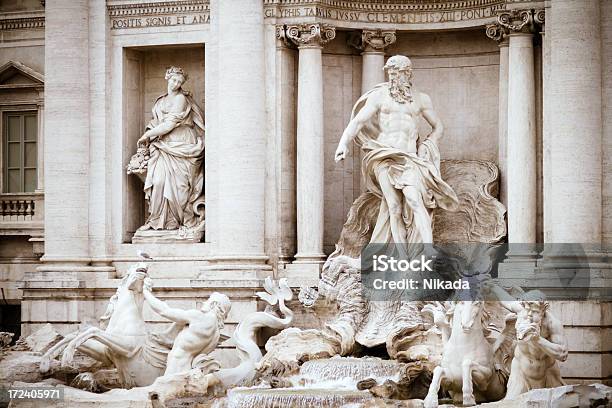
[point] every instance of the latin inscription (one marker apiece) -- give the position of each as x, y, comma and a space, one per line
398, 17
159, 21
401, 17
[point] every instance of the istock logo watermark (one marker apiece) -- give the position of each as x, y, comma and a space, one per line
469, 271
384, 263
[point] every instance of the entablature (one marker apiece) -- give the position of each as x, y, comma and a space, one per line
385, 14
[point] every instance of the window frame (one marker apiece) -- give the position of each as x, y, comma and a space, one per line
5, 112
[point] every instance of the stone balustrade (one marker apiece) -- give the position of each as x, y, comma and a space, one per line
21, 210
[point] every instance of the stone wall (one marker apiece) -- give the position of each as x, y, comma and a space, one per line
460, 72
341, 89
32, 55
589, 336
16, 257
158, 59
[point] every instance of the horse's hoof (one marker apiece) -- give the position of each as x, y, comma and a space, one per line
87, 382
468, 400
67, 358
45, 365
430, 402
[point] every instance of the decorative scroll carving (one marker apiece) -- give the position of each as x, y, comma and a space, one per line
516, 20
496, 32
539, 16
372, 40
521, 20
310, 35
281, 36
377, 39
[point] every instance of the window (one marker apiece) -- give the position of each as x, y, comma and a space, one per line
19, 146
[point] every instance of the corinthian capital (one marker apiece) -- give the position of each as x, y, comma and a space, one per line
496, 32
281, 36
539, 17
516, 21
310, 35
372, 40
377, 40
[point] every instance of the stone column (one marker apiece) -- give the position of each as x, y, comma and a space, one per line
241, 139
574, 193
521, 124
66, 140
285, 79
499, 33
310, 39
546, 136
373, 44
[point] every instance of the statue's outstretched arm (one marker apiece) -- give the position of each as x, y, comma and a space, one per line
162, 308
556, 347
359, 120
432, 118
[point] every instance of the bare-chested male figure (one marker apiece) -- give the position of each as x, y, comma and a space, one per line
200, 329
540, 344
402, 172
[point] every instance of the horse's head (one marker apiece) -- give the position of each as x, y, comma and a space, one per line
135, 278
133, 281
470, 313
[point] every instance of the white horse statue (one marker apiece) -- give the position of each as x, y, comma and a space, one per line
472, 367
124, 342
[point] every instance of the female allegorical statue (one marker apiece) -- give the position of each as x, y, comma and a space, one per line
174, 170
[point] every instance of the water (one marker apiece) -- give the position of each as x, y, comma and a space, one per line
328, 383
294, 398
357, 369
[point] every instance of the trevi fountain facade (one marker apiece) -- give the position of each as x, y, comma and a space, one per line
301, 203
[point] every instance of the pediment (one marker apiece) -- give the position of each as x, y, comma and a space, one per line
14, 74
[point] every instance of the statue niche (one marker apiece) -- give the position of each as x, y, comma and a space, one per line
170, 161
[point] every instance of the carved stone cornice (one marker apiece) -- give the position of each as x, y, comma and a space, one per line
24, 23
136, 15
392, 5
521, 21
373, 40
157, 8
385, 14
310, 35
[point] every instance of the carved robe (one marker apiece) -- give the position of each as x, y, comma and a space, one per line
175, 176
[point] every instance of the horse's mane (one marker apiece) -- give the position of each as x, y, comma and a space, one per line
485, 318
110, 309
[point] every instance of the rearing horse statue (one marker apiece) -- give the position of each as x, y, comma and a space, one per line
468, 369
124, 342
